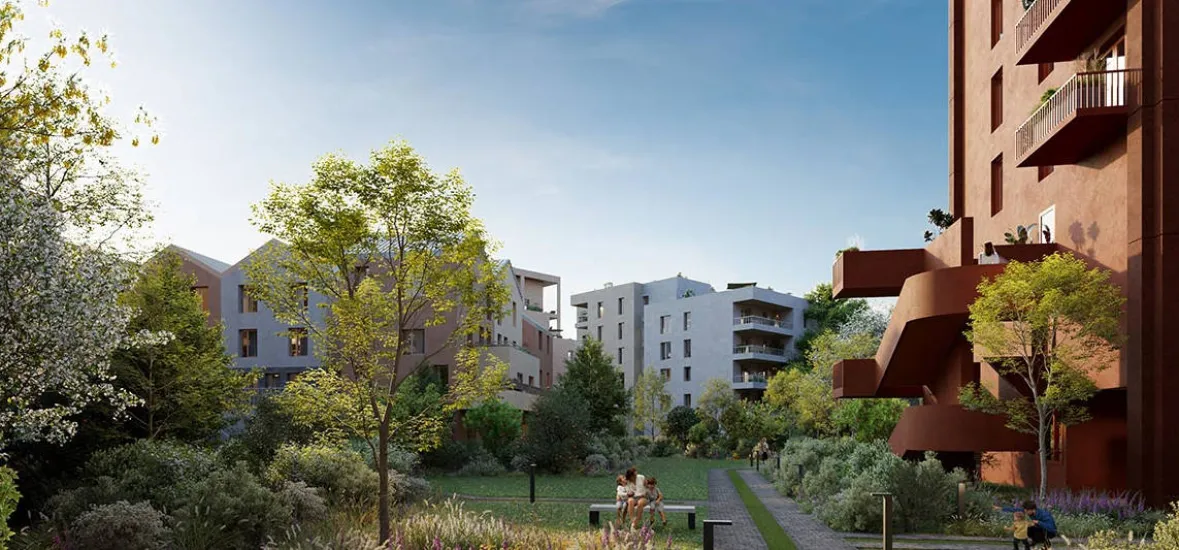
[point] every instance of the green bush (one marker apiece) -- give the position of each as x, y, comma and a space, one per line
450, 456
497, 424
405, 489
596, 465
235, 500
120, 526
665, 447
9, 496
1166, 533
267, 428
159, 472
341, 474
305, 503
558, 430
483, 464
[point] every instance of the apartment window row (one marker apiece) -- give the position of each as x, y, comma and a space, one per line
298, 342
248, 304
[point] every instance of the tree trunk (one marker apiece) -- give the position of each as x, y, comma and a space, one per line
383, 474
1043, 464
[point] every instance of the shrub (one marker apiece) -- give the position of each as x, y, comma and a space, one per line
450, 456
1166, 533
482, 463
558, 430
305, 503
596, 465
159, 472
521, 463
234, 498
405, 489
341, 474
665, 447
9, 496
400, 459
450, 526
679, 420
120, 526
498, 425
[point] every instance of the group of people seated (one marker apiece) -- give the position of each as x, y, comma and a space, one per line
635, 494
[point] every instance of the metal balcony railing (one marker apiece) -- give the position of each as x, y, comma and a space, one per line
764, 321
1032, 21
583, 318
1089, 90
763, 350
746, 377
533, 307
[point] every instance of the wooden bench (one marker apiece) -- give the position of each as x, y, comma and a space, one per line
595, 511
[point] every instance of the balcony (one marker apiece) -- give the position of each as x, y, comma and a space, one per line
763, 324
951, 428
1061, 30
582, 320
1080, 119
760, 353
875, 273
750, 381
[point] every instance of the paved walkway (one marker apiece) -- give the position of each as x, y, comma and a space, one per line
805, 530
585, 501
725, 503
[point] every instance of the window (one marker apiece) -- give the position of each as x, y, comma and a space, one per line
246, 303
620, 330
687, 348
1043, 172
665, 350
301, 295
687, 374
415, 341
513, 313
1044, 69
665, 373
687, 320
202, 292
996, 21
646, 300
620, 306
601, 310
997, 185
520, 377
664, 324
619, 356
298, 345
997, 100
540, 339
599, 333
249, 342
687, 400
531, 380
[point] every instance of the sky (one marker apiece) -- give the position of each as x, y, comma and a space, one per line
605, 140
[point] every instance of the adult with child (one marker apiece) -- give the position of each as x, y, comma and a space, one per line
1042, 528
638, 500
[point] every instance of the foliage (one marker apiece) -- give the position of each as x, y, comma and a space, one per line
592, 374
175, 362
941, 221
596, 465
620, 452
9, 497
652, 402
120, 526
1018, 236
393, 217
716, 398
482, 464
1049, 324
558, 429
1166, 533
868, 419
498, 425
451, 526
59, 318
840, 252
305, 503
267, 428
233, 498
679, 421
449, 456
824, 313
341, 474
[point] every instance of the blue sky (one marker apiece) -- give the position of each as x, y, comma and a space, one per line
606, 140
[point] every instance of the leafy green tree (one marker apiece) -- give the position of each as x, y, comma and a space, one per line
394, 248
1052, 325
558, 429
591, 373
679, 420
175, 362
9, 496
868, 419
498, 425
825, 312
652, 401
941, 221
716, 398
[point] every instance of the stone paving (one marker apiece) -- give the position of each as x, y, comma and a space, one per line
804, 529
725, 503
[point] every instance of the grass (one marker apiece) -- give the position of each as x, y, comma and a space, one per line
574, 518
680, 479
773, 534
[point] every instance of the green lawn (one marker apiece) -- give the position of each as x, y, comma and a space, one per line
574, 518
680, 479
773, 534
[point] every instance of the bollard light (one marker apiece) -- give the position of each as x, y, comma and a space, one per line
886, 529
532, 483
961, 499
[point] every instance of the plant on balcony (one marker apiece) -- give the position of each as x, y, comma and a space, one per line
689, 293
1047, 327
1027, 4
941, 221
848, 249
1047, 95
1019, 235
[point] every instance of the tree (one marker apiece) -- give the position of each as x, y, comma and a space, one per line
1050, 325
824, 312
592, 373
175, 362
868, 419
651, 400
393, 248
679, 420
716, 398
558, 429
498, 425
941, 221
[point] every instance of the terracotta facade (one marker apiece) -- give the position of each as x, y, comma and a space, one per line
1110, 200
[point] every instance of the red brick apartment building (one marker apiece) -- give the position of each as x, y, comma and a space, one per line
1059, 115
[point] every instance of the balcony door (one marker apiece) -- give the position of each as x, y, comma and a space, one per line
1048, 225
1115, 82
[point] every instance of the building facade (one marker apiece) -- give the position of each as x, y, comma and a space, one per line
1089, 172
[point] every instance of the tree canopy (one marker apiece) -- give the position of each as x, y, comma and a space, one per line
652, 402
592, 374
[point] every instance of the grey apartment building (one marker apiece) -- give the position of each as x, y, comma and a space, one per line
688, 332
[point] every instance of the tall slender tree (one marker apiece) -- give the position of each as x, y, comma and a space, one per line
652, 402
592, 374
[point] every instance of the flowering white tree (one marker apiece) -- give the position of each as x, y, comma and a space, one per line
60, 320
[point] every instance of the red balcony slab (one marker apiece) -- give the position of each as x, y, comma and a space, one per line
1061, 30
854, 378
874, 273
951, 428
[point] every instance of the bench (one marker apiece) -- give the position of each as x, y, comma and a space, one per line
595, 511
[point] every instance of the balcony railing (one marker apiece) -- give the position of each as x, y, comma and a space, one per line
583, 318
764, 321
762, 350
1084, 91
1032, 21
533, 307
745, 378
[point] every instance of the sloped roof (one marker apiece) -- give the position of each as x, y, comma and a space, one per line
216, 266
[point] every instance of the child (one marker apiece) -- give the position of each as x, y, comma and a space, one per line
1019, 531
655, 496
622, 499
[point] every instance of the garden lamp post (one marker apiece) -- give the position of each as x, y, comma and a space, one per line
532, 483
886, 529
